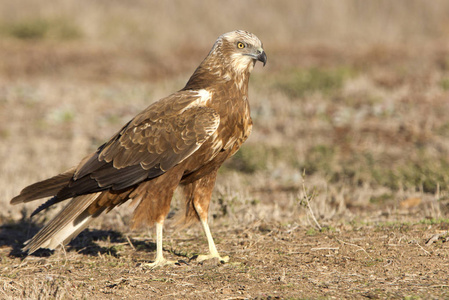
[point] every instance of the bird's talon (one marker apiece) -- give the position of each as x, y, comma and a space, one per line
201, 258
159, 263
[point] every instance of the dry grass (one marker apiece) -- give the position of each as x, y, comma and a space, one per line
354, 96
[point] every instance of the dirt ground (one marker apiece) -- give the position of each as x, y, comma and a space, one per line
267, 261
341, 191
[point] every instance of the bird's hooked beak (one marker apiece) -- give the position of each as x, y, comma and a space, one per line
258, 55
262, 57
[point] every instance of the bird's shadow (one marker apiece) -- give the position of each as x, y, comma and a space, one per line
14, 234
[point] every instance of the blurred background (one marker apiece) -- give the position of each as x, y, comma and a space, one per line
351, 109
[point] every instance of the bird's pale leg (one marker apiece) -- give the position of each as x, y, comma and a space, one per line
160, 260
212, 249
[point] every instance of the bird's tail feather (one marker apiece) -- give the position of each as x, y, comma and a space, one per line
45, 188
66, 225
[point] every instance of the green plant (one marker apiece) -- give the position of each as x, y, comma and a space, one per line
299, 82
36, 29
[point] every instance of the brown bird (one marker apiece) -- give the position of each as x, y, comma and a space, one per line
182, 139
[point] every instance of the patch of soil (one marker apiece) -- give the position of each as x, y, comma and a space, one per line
268, 261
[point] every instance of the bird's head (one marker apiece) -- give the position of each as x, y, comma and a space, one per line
240, 49
232, 57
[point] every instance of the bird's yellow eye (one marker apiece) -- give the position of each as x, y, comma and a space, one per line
240, 45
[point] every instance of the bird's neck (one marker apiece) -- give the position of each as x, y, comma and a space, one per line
215, 73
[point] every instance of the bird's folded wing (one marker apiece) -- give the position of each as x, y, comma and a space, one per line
149, 145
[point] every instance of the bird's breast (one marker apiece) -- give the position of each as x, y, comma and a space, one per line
235, 127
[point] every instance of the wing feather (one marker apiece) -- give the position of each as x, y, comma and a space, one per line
159, 138
45, 188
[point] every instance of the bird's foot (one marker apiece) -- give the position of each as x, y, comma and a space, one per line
159, 262
201, 258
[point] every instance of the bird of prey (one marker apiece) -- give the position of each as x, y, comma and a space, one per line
181, 139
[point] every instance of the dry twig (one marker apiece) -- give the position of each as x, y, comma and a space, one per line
354, 245
305, 202
427, 252
130, 243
